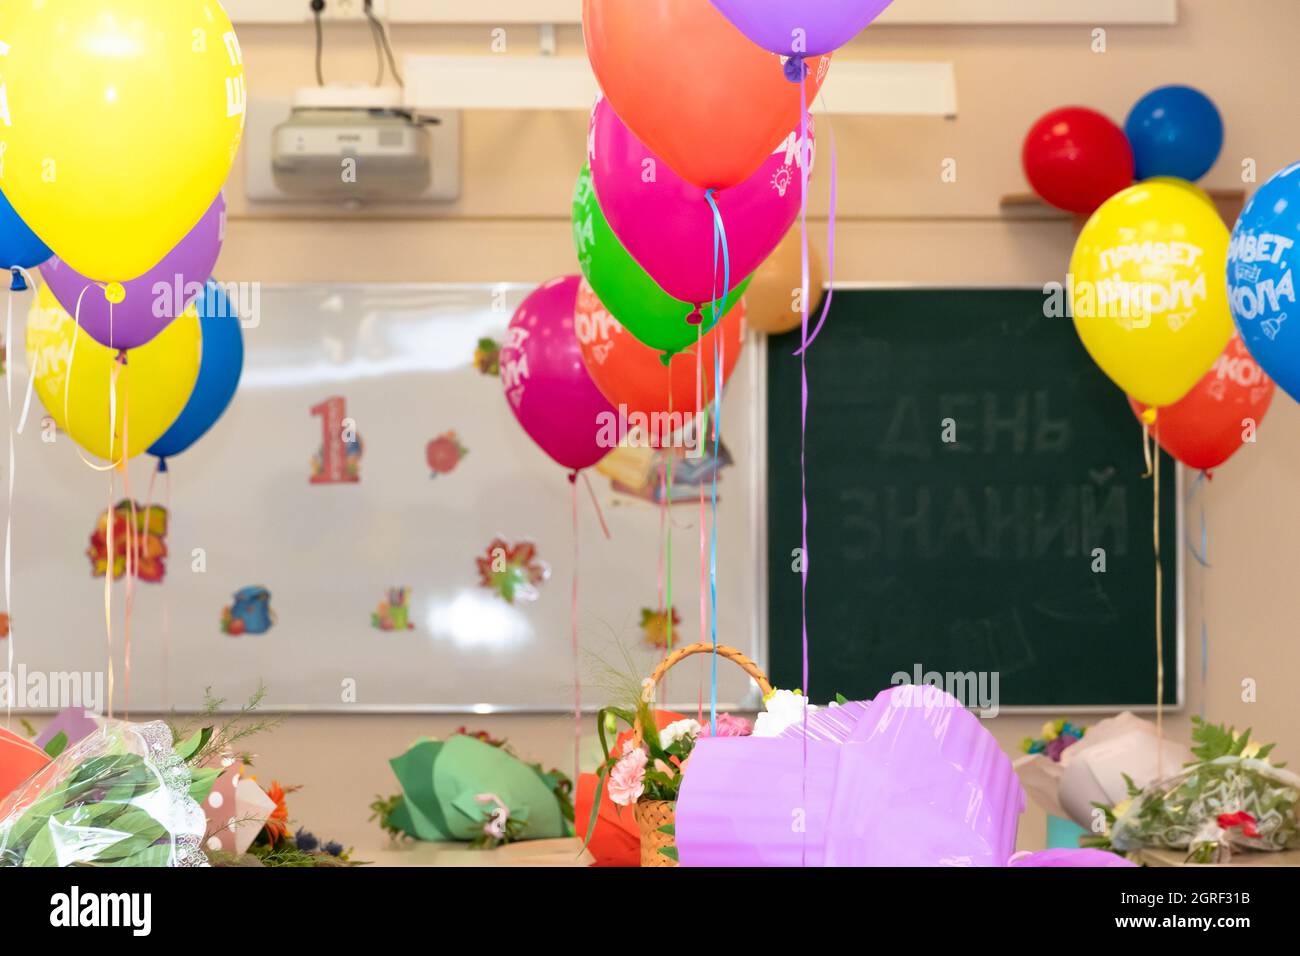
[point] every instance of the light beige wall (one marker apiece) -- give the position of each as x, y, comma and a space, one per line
898, 222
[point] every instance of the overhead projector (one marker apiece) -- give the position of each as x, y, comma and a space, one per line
352, 144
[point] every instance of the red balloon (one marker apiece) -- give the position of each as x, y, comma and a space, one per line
635, 376
1205, 427
1076, 159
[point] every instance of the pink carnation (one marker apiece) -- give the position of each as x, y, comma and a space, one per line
627, 779
729, 726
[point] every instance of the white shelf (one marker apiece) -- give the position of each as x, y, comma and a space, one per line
901, 13
566, 83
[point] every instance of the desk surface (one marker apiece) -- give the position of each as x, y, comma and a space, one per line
1152, 857
564, 852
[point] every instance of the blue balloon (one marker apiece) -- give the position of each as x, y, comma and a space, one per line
1261, 282
1174, 131
19, 246
219, 369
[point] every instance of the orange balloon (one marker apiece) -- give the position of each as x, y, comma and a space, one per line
776, 287
635, 376
693, 88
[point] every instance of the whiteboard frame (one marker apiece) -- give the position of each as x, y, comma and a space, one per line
1180, 524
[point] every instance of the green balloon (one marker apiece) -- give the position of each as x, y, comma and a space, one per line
624, 288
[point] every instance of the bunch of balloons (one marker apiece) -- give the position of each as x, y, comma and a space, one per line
122, 119
1076, 158
698, 154
1190, 321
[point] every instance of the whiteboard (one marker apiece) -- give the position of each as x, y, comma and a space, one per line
245, 514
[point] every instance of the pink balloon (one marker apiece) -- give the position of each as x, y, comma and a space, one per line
665, 222
546, 382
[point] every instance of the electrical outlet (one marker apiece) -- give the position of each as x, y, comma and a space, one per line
352, 9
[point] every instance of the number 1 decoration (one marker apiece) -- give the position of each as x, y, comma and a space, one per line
339, 460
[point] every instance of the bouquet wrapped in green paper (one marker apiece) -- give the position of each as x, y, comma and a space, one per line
1232, 798
122, 796
473, 788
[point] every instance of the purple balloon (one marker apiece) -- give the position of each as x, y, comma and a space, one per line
152, 300
665, 222
801, 27
546, 382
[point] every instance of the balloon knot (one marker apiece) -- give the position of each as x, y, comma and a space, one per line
573, 477
19, 284
115, 293
1209, 474
1149, 416
667, 359
120, 358
795, 68
162, 465
696, 316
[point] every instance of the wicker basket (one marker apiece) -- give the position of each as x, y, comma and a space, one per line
653, 815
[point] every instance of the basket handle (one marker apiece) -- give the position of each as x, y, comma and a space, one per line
688, 650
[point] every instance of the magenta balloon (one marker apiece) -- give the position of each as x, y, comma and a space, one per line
152, 300
665, 222
801, 27
545, 380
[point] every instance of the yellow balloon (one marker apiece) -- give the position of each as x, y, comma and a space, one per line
1191, 187
153, 386
1149, 291
119, 121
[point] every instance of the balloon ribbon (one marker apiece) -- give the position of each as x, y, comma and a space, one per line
573, 625
19, 275
1202, 557
719, 344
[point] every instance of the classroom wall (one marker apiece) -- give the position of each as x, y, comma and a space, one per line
898, 222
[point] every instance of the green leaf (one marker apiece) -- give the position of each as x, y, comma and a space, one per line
155, 855
841, 699
670, 852
669, 828
191, 745
595, 808
57, 744
204, 779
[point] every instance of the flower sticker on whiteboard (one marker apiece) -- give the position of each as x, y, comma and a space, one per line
250, 614
444, 453
394, 612
487, 357
139, 528
514, 572
656, 629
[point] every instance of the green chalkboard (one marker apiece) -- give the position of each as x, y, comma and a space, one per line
965, 460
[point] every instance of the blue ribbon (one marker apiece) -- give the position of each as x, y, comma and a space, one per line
719, 244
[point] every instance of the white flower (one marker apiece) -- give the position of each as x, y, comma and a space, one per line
784, 708
678, 730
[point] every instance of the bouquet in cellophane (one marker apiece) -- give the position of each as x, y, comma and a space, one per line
122, 796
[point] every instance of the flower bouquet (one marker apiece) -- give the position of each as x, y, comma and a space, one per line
644, 771
1230, 798
122, 796
473, 788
